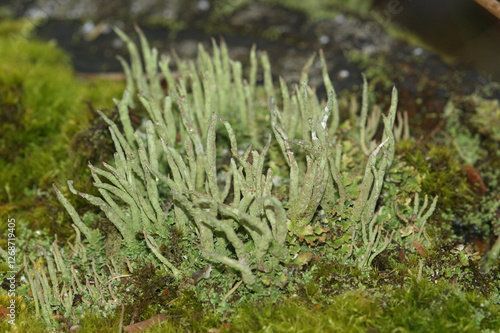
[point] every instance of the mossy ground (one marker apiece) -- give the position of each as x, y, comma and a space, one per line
47, 115
44, 107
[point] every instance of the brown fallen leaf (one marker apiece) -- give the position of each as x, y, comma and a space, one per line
3, 312
224, 328
420, 248
474, 180
140, 326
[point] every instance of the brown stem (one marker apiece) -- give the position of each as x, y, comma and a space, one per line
493, 6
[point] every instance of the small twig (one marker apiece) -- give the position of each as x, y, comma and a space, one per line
117, 277
231, 291
120, 328
111, 291
493, 6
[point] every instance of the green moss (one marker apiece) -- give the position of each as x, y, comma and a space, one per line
25, 321
92, 322
146, 292
441, 174
418, 306
440, 308
40, 93
298, 316
321, 9
187, 314
44, 106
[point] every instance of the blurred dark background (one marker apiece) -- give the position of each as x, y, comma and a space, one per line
459, 29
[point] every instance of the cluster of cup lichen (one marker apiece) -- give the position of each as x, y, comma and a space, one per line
199, 166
